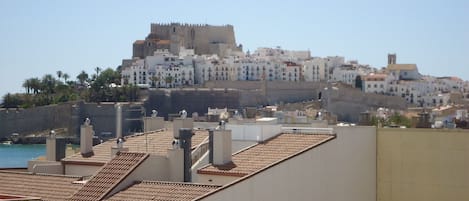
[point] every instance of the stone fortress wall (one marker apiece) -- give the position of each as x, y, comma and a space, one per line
203, 38
70, 116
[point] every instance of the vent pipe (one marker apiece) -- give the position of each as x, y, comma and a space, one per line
185, 142
118, 120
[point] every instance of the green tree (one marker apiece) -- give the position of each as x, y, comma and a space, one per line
168, 79
82, 77
35, 85
65, 76
27, 85
97, 69
12, 100
154, 79
59, 74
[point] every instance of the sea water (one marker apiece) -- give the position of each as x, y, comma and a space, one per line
18, 155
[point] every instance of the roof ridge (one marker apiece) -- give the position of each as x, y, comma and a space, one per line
178, 183
41, 174
104, 181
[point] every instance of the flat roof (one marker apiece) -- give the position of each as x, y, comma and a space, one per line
156, 142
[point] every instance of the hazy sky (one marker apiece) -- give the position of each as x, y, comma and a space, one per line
38, 37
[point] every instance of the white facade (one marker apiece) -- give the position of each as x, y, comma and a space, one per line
343, 169
314, 70
135, 74
376, 83
163, 69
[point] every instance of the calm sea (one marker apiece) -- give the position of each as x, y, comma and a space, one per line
18, 155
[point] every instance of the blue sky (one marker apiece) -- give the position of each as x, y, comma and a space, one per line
40, 37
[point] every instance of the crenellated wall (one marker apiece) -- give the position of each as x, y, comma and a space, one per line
203, 38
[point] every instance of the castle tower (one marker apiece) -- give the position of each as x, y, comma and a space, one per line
204, 39
391, 59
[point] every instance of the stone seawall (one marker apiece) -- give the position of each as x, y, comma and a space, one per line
70, 116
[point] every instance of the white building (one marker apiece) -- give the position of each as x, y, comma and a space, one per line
376, 83
135, 74
404, 71
348, 73
163, 69
314, 70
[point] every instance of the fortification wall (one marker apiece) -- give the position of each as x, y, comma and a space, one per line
345, 102
198, 37
70, 116
35, 119
349, 102
192, 100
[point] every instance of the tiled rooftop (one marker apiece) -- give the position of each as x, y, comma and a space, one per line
402, 67
158, 143
168, 191
109, 176
47, 187
268, 153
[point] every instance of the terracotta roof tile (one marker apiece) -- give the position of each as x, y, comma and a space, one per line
268, 153
47, 187
168, 191
109, 176
402, 67
158, 143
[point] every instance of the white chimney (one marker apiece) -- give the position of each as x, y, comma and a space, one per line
153, 123
179, 123
55, 147
86, 139
220, 147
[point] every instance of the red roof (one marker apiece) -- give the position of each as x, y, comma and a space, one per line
268, 153
159, 190
109, 176
44, 186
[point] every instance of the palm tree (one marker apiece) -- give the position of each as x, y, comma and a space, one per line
35, 85
154, 79
59, 74
82, 77
168, 80
97, 69
27, 85
49, 83
65, 76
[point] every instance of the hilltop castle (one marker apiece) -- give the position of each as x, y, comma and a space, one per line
204, 39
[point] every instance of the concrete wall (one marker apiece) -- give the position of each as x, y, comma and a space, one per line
423, 164
81, 170
154, 168
341, 169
